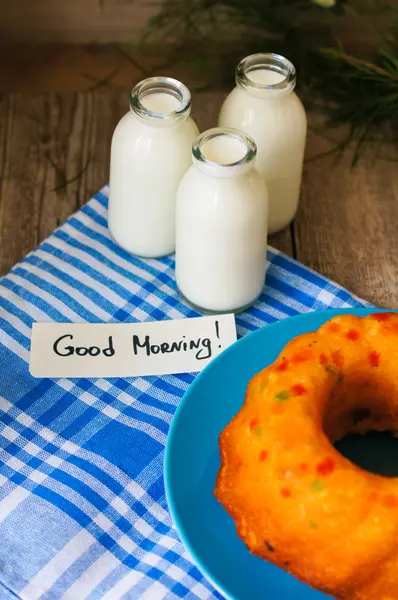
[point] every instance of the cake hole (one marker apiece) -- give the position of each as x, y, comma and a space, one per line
375, 451
361, 417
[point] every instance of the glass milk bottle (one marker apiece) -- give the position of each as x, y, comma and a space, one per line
150, 152
264, 105
221, 224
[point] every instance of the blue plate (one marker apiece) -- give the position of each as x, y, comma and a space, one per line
192, 462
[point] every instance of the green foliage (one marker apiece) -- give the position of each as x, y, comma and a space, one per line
357, 84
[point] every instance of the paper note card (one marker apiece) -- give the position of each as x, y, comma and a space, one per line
128, 349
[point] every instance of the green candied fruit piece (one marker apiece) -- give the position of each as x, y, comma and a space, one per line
258, 431
282, 396
330, 370
317, 485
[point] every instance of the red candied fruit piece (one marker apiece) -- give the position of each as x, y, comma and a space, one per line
374, 359
381, 316
352, 334
323, 359
334, 327
286, 493
283, 365
299, 390
390, 501
373, 496
278, 409
263, 455
253, 423
337, 358
303, 467
326, 466
300, 357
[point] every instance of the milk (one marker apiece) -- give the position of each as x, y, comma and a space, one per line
265, 77
221, 224
150, 152
264, 106
223, 150
161, 102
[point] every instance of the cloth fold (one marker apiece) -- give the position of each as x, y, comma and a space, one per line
83, 513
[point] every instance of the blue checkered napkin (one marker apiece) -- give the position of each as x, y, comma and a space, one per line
83, 513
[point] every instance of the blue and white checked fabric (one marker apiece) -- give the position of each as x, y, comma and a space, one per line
83, 513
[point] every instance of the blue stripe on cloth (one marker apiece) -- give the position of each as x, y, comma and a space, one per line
82, 502
31, 299
6, 594
6, 327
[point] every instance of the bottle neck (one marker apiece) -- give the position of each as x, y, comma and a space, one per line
223, 152
266, 76
161, 101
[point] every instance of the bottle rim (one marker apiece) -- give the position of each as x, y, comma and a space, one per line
228, 168
156, 85
272, 62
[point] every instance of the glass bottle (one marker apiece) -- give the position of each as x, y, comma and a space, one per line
221, 224
264, 105
150, 152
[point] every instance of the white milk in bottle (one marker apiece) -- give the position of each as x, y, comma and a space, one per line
150, 152
221, 224
264, 105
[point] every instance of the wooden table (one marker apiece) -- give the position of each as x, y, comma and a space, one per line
54, 155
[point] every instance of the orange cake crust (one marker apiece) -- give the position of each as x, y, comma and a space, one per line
296, 501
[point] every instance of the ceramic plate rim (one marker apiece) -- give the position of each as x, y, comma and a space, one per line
358, 310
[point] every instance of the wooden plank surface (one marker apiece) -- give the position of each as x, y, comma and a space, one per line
346, 227
73, 21
54, 155
67, 68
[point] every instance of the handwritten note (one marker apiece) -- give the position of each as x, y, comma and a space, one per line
128, 349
